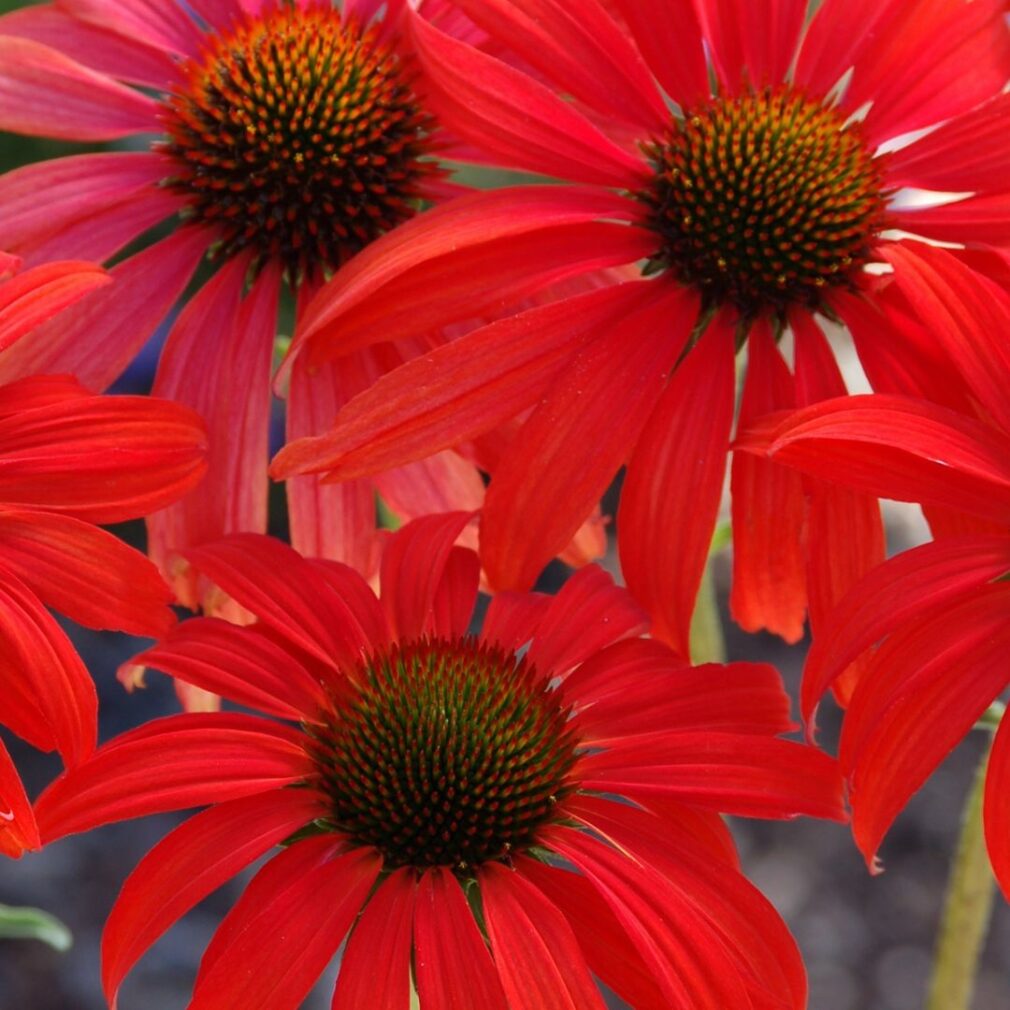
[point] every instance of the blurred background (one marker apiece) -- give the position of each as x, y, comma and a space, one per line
867, 941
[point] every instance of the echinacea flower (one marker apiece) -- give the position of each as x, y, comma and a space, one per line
487, 820
931, 626
754, 207
70, 459
282, 138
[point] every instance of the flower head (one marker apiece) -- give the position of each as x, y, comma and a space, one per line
495, 818
755, 167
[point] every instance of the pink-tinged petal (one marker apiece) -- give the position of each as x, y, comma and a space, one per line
752, 43
445, 482
32, 297
44, 93
662, 29
174, 763
589, 543
768, 507
49, 697
386, 925
585, 54
222, 14
18, 831
512, 619
460, 390
452, 965
968, 154
527, 238
239, 663
974, 220
607, 948
568, 451
914, 72
288, 594
674, 483
191, 863
508, 114
937, 681
217, 361
687, 960
587, 614
741, 774
625, 691
334, 520
289, 924
108, 328
154, 22
101, 459
927, 578
413, 573
996, 808
538, 958
754, 933
100, 235
84, 572
895, 448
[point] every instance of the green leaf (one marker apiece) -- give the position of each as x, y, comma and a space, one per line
34, 924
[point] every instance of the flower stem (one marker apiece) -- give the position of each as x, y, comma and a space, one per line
707, 642
966, 914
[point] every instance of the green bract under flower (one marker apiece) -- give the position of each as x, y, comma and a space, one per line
448, 753
764, 200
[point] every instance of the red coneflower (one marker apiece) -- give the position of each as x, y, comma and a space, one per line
285, 138
932, 625
754, 207
491, 820
70, 459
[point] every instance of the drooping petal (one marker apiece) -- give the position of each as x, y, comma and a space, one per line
585, 54
452, 965
768, 507
85, 573
289, 924
569, 450
44, 93
734, 773
174, 763
538, 958
586, 615
238, 663
191, 863
996, 808
674, 484
18, 831
109, 327
385, 926
49, 697
507, 113
32, 297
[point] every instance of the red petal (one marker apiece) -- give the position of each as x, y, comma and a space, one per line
49, 698
191, 863
769, 510
570, 448
239, 663
385, 928
452, 965
173, 763
46, 94
168, 27
587, 614
539, 960
997, 807
508, 114
32, 297
674, 484
18, 831
512, 619
289, 923
85, 573
734, 773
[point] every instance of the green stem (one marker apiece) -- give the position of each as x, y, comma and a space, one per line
966, 914
707, 642
991, 717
